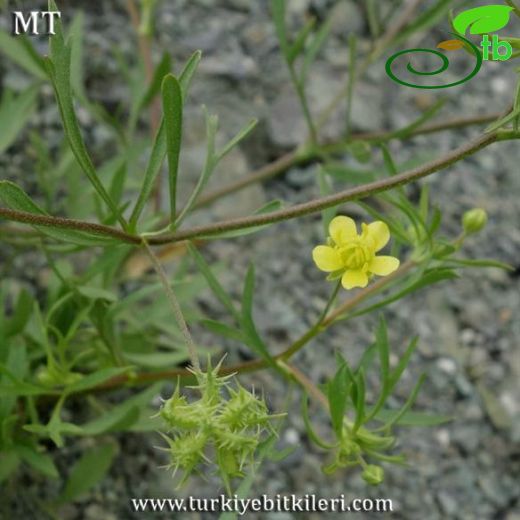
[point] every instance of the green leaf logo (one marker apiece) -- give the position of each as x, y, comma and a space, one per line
486, 19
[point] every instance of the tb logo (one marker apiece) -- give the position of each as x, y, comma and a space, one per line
480, 21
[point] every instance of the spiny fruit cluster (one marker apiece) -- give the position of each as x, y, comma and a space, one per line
223, 427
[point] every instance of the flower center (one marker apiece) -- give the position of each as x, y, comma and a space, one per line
356, 255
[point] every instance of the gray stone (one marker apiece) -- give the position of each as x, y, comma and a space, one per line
448, 503
347, 18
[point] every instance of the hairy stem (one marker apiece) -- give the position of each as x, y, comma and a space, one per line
282, 164
306, 208
176, 308
356, 193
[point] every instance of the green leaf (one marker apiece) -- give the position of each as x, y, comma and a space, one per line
337, 393
463, 262
188, 71
409, 403
58, 68
482, 20
96, 293
359, 401
503, 121
14, 114
222, 329
313, 436
213, 282
300, 40
8, 463
20, 388
21, 51
22, 314
314, 48
367, 358
435, 221
172, 107
412, 418
278, 14
402, 364
76, 36
423, 118
95, 379
209, 165
425, 20
152, 170
162, 69
157, 359
54, 430
114, 421
424, 203
117, 184
88, 471
242, 134
15, 371
430, 277
373, 18
384, 361
252, 338
39, 461
388, 160
352, 78
122, 416
15, 198
347, 174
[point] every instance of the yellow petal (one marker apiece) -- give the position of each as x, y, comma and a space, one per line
342, 229
383, 265
327, 258
353, 279
380, 234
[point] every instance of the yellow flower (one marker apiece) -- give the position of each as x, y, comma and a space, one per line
353, 256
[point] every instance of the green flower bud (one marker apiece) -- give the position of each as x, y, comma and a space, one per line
474, 220
373, 474
348, 452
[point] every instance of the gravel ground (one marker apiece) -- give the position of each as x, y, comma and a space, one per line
468, 328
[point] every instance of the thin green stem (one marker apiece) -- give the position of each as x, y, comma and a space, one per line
330, 302
516, 9
300, 91
352, 76
176, 308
